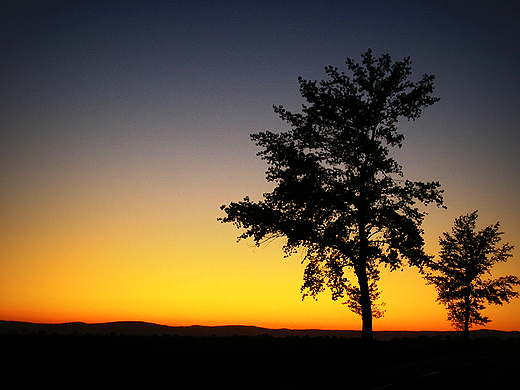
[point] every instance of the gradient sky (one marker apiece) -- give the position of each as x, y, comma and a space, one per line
124, 125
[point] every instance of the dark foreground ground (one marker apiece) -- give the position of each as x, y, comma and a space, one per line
261, 362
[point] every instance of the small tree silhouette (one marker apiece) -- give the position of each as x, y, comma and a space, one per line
466, 256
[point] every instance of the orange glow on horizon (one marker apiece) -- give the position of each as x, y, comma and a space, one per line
183, 283
180, 267
73, 258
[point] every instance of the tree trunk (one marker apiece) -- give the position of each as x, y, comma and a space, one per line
366, 304
466, 320
364, 288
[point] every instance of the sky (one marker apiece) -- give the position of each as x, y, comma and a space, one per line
125, 125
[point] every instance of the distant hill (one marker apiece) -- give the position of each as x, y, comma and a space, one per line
137, 328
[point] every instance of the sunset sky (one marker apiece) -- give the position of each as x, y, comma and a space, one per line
124, 125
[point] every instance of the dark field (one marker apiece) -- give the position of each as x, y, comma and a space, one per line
258, 362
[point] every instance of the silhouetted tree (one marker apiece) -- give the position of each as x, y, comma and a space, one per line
338, 194
466, 257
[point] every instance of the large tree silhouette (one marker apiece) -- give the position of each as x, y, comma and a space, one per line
466, 257
339, 196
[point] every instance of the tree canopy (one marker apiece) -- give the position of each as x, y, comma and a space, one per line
338, 194
466, 257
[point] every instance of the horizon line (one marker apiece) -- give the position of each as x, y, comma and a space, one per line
246, 326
